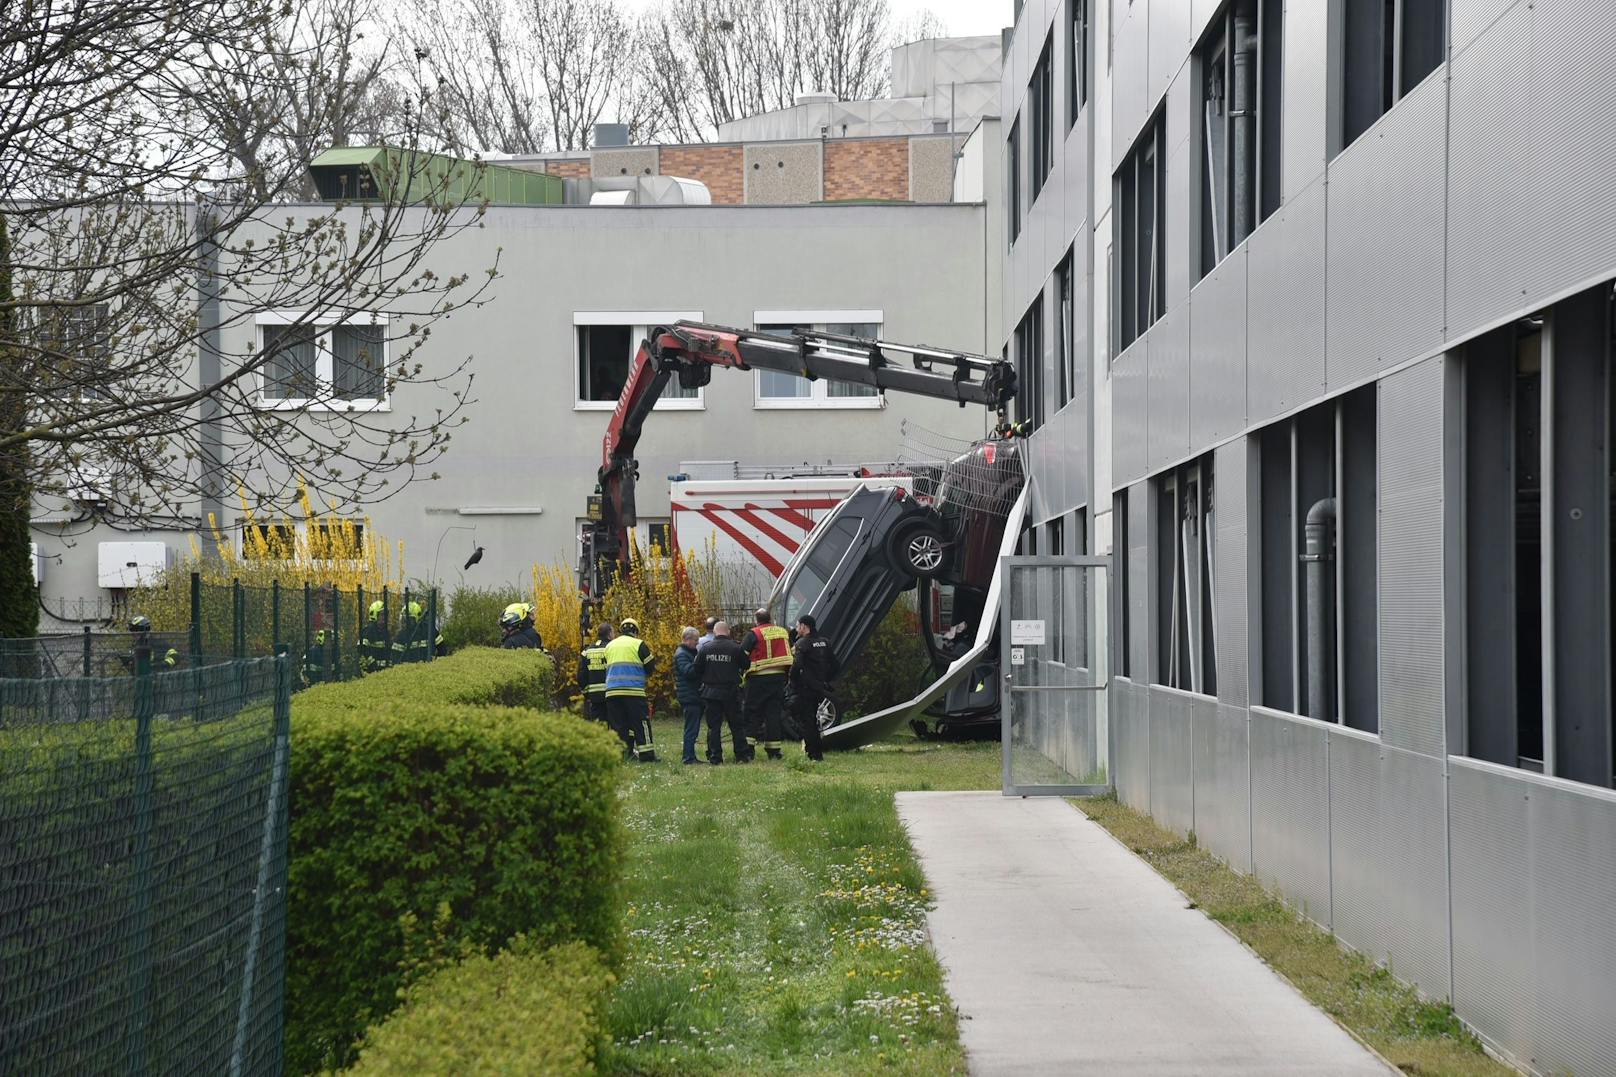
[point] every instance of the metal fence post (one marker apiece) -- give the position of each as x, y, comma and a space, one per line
196, 615
406, 654
432, 624
239, 647
275, 613
141, 889
84, 684
274, 832
335, 635
387, 628
362, 616
86, 650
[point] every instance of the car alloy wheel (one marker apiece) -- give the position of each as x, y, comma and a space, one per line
925, 553
826, 715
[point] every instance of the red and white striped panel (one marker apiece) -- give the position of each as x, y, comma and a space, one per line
766, 531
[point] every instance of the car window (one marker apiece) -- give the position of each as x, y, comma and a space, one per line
818, 567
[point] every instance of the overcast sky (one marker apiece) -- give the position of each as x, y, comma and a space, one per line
962, 17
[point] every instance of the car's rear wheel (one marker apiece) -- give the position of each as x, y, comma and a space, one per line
920, 549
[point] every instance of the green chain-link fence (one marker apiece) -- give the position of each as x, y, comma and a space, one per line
143, 830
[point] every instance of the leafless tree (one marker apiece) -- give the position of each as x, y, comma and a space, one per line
303, 80
478, 70
719, 60
138, 377
586, 49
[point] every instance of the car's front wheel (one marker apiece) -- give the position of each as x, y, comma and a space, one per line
920, 549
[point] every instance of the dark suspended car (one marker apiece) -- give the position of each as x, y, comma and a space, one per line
943, 536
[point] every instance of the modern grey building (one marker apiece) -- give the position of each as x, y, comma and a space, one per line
1345, 261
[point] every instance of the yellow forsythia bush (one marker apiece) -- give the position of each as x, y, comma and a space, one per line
663, 592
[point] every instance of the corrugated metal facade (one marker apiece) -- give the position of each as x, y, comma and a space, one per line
1484, 194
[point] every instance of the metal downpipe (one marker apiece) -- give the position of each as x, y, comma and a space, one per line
1242, 110
1319, 552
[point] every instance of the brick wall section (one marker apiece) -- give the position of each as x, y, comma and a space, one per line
867, 168
577, 168
721, 168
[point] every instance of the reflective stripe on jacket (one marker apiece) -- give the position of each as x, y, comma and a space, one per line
770, 652
625, 666
594, 671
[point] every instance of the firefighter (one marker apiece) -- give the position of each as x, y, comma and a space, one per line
415, 642
688, 688
516, 628
592, 675
375, 648
628, 668
314, 659
164, 655
768, 650
813, 668
719, 667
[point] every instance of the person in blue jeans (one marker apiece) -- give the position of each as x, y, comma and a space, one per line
688, 687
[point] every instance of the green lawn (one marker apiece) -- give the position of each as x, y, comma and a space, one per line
776, 916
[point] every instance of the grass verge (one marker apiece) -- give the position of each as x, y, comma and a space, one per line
1419, 1037
776, 916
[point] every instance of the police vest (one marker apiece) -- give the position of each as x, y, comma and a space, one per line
625, 670
771, 653
595, 666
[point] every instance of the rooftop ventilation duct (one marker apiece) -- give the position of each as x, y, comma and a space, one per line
610, 134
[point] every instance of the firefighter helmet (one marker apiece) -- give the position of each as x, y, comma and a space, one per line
140, 623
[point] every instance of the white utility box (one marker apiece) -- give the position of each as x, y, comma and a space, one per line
131, 564
39, 562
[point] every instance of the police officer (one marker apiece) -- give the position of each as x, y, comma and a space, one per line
628, 668
688, 688
592, 675
314, 659
719, 667
768, 649
164, 655
516, 628
375, 648
813, 668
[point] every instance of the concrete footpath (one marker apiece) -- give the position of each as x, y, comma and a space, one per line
1067, 954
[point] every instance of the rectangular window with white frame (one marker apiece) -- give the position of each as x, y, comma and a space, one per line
778, 390
323, 363
605, 343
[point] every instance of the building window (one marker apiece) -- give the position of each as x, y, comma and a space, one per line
337, 540
324, 364
1239, 112
269, 542
1538, 549
1041, 100
1140, 289
1387, 49
775, 389
1123, 618
1186, 627
1030, 365
72, 346
1065, 334
659, 538
1318, 533
1013, 156
1077, 43
605, 346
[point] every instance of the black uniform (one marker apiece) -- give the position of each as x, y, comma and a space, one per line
375, 646
813, 669
525, 636
720, 665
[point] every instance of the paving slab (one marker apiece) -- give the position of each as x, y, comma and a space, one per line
1067, 954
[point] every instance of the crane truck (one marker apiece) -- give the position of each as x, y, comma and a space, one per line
931, 533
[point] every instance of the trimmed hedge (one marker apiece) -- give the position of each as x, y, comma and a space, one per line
407, 797
519, 1011
479, 676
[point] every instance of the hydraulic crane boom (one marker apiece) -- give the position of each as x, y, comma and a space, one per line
690, 351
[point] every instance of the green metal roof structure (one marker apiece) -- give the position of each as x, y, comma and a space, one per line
365, 173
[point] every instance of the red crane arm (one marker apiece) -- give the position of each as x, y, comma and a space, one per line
690, 351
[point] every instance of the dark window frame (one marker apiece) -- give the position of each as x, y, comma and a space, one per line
1077, 60
1139, 295
1381, 57
1186, 617
1013, 159
1041, 104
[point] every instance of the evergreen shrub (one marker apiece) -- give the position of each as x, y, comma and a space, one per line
412, 793
520, 1011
